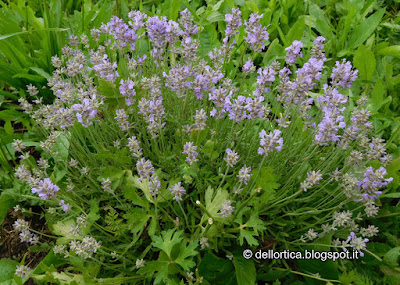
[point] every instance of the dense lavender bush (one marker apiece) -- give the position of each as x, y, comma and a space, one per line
154, 158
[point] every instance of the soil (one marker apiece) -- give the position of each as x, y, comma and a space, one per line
10, 245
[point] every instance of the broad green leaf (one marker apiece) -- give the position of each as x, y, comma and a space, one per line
320, 21
275, 50
252, 6
296, 32
63, 278
215, 16
208, 39
10, 115
362, 32
167, 240
30, 77
273, 275
116, 176
390, 51
6, 202
392, 257
185, 256
378, 96
364, 61
63, 229
137, 220
218, 271
250, 229
8, 128
213, 201
245, 269
94, 210
7, 269
142, 185
266, 180
393, 170
61, 147
158, 269
327, 269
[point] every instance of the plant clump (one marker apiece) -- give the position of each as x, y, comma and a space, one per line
156, 152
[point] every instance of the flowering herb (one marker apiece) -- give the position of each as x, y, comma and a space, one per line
144, 136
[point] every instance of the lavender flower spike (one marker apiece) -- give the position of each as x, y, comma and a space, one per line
178, 191
270, 142
145, 168
293, 52
226, 209
46, 189
191, 152
342, 75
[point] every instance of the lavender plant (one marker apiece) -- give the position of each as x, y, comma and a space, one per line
154, 157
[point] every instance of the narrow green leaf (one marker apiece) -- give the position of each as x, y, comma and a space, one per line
362, 32
391, 195
3, 37
41, 72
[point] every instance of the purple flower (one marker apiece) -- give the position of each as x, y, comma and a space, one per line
256, 108
373, 180
126, 90
191, 152
46, 189
237, 109
104, 67
85, 111
244, 175
265, 78
198, 85
144, 168
200, 120
189, 29
121, 32
357, 243
122, 119
231, 158
154, 185
342, 75
270, 142
226, 209
156, 30
293, 52
176, 79
65, 207
153, 112
248, 67
257, 35
233, 22
317, 50
178, 191
137, 18
134, 147
220, 96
